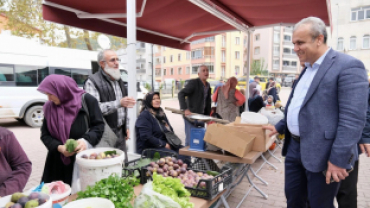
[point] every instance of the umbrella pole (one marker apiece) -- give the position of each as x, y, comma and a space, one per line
246, 109
131, 68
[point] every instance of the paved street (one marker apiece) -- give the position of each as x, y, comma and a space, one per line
30, 141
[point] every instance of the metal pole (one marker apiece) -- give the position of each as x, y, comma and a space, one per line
131, 68
152, 68
246, 109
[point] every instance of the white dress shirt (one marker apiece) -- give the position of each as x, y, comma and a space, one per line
299, 95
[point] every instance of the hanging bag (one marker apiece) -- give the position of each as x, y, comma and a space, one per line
171, 137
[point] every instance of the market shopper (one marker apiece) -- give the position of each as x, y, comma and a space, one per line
108, 88
255, 101
347, 193
273, 91
228, 100
195, 98
15, 167
322, 125
65, 119
151, 126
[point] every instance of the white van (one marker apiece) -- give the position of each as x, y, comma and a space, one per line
24, 64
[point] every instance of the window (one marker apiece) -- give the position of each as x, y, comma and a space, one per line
80, 75
257, 37
294, 63
179, 72
237, 70
171, 58
157, 72
237, 41
223, 71
6, 73
223, 41
237, 55
245, 41
352, 43
340, 46
187, 70
194, 69
171, 71
157, 61
209, 52
187, 55
223, 56
276, 50
210, 67
41, 74
276, 64
286, 63
256, 50
287, 38
164, 71
276, 37
164, 59
179, 57
360, 13
287, 50
203, 40
366, 42
197, 54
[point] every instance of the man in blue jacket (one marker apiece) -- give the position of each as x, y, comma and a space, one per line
324, 118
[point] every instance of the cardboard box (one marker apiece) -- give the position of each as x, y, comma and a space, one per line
261, 141
230, 139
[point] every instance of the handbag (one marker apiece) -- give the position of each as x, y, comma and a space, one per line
109, 138
171, 137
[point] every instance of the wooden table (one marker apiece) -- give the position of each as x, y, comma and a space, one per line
198, 202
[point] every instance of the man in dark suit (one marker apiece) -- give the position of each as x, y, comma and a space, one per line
324, 118
195, 98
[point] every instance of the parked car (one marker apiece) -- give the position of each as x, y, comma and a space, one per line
288, 80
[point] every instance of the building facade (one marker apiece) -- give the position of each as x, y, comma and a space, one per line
351, 28
224, 54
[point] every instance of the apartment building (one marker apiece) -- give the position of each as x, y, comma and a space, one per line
351, 28
223, 54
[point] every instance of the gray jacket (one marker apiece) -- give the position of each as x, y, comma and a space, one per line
332, 115
191, 97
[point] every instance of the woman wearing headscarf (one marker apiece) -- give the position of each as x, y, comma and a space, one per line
272, 91
149, 134
65, 119
255, 101
228, 100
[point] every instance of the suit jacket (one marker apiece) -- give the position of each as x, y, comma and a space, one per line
195, 96
332, 114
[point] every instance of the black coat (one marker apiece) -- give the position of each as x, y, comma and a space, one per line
191, 97
274, 94
148, 133
255, 104
54, 167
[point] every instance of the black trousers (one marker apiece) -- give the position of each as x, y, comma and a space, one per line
347, 194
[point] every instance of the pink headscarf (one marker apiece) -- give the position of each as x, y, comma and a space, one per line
230, 84
60, 117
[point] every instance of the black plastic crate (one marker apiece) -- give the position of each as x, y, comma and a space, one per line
213, 186
148, 153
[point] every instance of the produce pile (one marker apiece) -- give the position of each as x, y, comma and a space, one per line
20, 200
101, 155
119, 190
176, 168
164, 192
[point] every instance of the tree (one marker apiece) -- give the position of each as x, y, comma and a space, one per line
258, 67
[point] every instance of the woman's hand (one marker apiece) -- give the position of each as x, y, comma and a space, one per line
81, 146
62, 149
168, 146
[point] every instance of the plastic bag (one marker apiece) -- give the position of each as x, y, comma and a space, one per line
76, 185
273, 116
148, 198
253, 118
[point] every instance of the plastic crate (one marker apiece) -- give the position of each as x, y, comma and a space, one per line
213, 186
148, 153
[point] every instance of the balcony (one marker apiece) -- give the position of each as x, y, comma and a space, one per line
290, 68
289, 55
141, 71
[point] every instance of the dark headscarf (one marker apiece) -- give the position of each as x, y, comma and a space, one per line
60, 117
157, 112
252, 88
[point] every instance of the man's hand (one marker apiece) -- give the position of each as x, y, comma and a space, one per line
62, 149
365, 148
128, 102
127, 134
81, 146
270, 128
335, 172
187, 112
168, 146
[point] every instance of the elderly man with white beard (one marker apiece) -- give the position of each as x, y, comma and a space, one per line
108, 88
